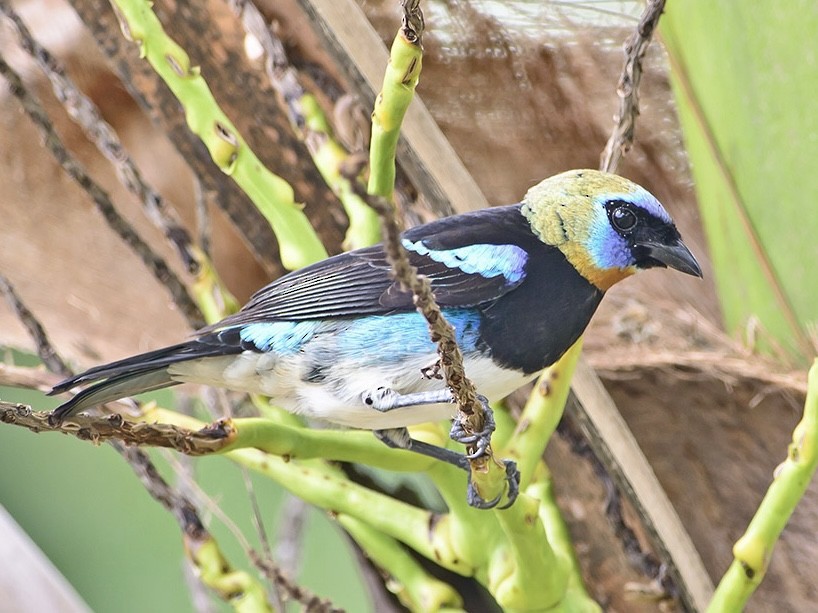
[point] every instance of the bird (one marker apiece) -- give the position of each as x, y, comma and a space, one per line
341, 341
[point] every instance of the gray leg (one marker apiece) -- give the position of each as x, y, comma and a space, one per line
399, 438
385, 399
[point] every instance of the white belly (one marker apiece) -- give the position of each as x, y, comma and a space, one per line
338, 397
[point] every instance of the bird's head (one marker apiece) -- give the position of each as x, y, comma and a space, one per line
607, 227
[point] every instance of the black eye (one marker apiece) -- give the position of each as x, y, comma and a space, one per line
623, 219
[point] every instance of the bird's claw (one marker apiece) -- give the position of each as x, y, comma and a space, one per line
479, 440
512, 478
381, 399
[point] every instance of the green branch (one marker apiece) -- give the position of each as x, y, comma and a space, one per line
329, 158
237, 587
274, 197
283, 453
319, 484
559, 538
399, 83
292, 441
753, 550
415, 588
525, 572
542, 413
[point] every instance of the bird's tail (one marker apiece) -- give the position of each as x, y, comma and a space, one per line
141, 373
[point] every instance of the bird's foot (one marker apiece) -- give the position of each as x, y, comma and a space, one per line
480, 441
385, 399
512, 479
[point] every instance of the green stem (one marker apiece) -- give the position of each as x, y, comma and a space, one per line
211, 295
525, 573
542, 413
414, 587
399, 83
753, 550
319, 484
274, 197
559, 538
294, 442
236, 587
329, 157
289, 455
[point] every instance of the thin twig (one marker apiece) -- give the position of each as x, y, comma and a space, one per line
311, 602
290, 534
628, 87
86, 114
118, 433
203, 219
281, 74
29, 378
258, 523
124, 436
275, 573
45, 350
116, 222
178, 505
618, 145
206, 441
440, 330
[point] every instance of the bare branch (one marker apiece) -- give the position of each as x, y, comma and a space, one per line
441, 331
29, 378
101, 199
412, 23
86, 114
179, 506
628, 87
45, 350
311, 602
210, 439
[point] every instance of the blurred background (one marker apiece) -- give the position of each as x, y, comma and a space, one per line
708, 374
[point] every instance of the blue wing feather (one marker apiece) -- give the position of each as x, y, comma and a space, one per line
471, 259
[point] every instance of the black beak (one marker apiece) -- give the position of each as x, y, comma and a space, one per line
675, 255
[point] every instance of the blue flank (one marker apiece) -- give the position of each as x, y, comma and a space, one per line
283, 337
404, 335
373, 339
483, 259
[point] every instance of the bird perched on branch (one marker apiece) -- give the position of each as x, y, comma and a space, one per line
342, 342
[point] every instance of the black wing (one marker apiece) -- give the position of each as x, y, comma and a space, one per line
469, 259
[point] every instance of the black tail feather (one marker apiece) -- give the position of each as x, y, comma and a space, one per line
127, 384
141, 373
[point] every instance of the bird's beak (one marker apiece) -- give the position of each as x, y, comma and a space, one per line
675, 255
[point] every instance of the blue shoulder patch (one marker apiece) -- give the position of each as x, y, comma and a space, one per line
279, 336
482, 259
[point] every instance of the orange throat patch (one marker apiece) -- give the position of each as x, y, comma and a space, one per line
603, 278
